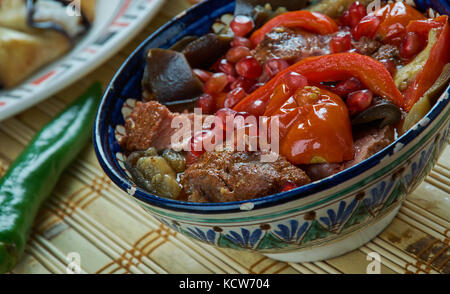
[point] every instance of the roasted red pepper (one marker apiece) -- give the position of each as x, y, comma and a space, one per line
334, 67
423, 27
388, 23
439, 57
315, 127
396, 17
311, 21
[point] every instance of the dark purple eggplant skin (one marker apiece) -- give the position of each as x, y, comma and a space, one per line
169, 77
245, 7
180, 45
206, 50
383, 113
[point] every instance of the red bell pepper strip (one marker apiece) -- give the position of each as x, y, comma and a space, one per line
439, 57
311, 21
333, 67
423, 27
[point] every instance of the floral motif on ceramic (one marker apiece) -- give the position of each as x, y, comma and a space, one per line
321, 224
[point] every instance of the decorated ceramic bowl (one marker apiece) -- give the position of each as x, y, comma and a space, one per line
321, 220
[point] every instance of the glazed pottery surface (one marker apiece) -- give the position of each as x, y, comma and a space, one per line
314, 222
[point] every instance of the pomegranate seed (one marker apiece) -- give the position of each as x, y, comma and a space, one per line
241, 41
295, 81
220, 100
216, 84
257, 108
249, 68
255, 87
288, 186
227, 113
196, 149
353, 15
192, 157
390, 66
223, 114
274, 66
368, 27
203, 75
235, 54
410, 46
244, 83
226, 67
231, 79
207, 104
359, 101
341, 43
264, 77
241, 25
346, 87
234, 97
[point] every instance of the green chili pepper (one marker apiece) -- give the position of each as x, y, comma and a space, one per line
34, 174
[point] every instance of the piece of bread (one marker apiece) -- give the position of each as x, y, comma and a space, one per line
27, 46
88, 8
22, 53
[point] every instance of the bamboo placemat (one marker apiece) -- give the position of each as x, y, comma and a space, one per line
87, 215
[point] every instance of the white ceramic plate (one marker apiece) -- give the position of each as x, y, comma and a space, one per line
116, 23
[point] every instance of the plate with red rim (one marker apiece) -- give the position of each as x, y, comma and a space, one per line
116, 23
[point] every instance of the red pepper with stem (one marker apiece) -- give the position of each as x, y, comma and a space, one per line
333, 67
315, 127
311, 21
439, 57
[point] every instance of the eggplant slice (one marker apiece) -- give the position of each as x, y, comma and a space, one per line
382, 113
168, 78
206, 50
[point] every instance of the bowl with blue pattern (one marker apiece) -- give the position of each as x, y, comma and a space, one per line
321, 220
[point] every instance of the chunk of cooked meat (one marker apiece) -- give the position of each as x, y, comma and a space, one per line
143, 125
367, 143
366, 46
150, 125
223, 176
386, 52
294, 45
291, 45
